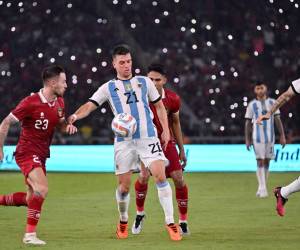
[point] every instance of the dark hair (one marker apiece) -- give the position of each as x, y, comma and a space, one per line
52, 71
259, 83
121, 49
157, 67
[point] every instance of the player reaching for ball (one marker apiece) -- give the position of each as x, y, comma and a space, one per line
131, 94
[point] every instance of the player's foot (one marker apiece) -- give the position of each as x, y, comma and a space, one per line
138, 224
122, 230
32, 239
184, 229
262, 193
173, 231
280, 201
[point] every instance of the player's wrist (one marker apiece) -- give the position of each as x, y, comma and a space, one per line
74, 117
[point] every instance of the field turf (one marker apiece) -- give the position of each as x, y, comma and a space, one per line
80, 213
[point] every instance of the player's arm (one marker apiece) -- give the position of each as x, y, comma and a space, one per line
163, 118
83, 111
280, 129
248, 132
4, 128
280, 101
176, 128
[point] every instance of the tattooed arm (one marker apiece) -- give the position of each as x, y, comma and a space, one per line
280, 101
4, 128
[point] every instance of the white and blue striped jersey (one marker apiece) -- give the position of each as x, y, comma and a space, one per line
261, 133
296, 86
131, 96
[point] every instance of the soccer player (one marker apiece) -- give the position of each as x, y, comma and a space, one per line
131, 94
282, 193
263, 137
171, 101
39, 115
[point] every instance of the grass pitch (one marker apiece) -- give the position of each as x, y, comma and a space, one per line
80, 213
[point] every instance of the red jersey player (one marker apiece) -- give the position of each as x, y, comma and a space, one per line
177, 161
39, 115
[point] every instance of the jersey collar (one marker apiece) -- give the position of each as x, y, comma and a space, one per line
44, 100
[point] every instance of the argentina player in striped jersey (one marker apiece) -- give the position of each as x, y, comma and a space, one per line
131, 94
263, 137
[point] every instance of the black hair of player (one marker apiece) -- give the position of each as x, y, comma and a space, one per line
259, 83
52, 71
121, 49
157, 67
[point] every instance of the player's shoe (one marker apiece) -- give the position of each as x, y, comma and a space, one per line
32, 239
184, 229
262, 193
280, 201
138, 224
173, 230
122, 230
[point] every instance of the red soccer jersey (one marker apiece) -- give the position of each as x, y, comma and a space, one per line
172, 104
38, 121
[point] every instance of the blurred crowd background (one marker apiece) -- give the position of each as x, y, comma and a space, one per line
214, 52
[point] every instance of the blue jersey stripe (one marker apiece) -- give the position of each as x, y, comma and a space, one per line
150, 126
255, 109
116, 102
132, 100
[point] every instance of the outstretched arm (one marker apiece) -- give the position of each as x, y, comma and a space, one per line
176, 128
280, 101
4, 128
279, 126
82, 112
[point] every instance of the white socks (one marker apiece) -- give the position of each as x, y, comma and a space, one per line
291, 188
123, 203
165, 197
261, 178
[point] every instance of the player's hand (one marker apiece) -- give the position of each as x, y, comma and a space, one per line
71, 129
282, 141
1, 154
165, 138
248, 145
72, 118
263, 117
182, 158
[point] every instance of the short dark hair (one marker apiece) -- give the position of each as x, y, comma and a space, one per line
157, 67
52, 71
121, 49
258, 83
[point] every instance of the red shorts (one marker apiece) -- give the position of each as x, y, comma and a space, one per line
28, 162
173, 157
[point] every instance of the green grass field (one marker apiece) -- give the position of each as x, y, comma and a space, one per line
80, 213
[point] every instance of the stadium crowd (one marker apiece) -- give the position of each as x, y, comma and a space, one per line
214, 52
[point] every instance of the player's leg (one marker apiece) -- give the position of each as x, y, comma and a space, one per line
164, 190
141, 187
37, 192
181, 190
260, 150
282, 194
14, 199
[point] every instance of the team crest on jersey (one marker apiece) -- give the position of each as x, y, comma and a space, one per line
60, 112
128, 87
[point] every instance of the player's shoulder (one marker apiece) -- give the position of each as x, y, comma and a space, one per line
252, 102
32, 97
171, 94
271, 100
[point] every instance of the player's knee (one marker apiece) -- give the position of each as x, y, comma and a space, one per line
143, 179
179, 182
124, 189
42, 190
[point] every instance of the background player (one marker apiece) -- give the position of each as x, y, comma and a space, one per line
263, 137
171, 102
39, 115
130, 94
282, 193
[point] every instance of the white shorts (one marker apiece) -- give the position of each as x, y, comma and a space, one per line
130, 154
264, 150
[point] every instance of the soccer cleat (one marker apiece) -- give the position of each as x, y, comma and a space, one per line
32, 239
262, 193
184, 229
138, 224
280, 201
122, 230
173, 231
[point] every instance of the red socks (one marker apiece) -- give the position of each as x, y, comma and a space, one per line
140, 195
33, 213
182, 201
15, 199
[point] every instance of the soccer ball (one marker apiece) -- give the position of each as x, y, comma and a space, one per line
123, 125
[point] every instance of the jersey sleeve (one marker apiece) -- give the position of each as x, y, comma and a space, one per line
22, 110
153, 94
249, 112
176, 104
296, 86
100, 96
